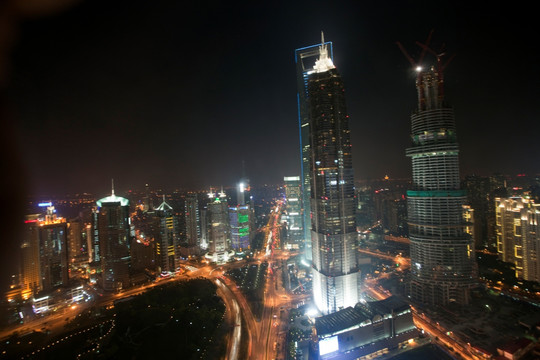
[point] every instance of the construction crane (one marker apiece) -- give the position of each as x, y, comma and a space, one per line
440, 66
417, 66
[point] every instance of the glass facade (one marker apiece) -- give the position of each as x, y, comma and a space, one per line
333, 204
168, 240
113, 232
293, 194
305, 59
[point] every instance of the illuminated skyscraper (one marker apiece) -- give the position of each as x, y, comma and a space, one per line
305, 59
333, 205
239, 217
31, 281
442, 253
167, 241
293, 210
113, 234
54, 254
75, 238
44, 251
193, 221
219, 235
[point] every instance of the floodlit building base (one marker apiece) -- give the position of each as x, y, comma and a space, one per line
220, 257
369, 329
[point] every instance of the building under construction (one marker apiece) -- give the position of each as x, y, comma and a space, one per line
443, 267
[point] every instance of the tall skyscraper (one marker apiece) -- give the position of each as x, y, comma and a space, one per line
113, 234
193, 221
75, 238
219, 235
167, 241
518, 236
239, 217
333, 227
53, 250
44, 251
443, 267
305, 60
293, 210
31, 281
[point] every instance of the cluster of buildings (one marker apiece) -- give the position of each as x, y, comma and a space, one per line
443, 217
321, 215
118, 243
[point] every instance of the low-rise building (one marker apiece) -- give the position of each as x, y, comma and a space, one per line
367, 328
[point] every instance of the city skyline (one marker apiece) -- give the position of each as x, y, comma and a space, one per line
187, 106
315, 199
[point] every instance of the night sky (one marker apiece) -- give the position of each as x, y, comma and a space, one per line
179, 94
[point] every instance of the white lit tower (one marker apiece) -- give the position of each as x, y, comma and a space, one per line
336, 279
443, 267
113, 237
219, 238
293, 192
305, 58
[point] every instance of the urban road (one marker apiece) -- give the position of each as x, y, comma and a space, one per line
264, 337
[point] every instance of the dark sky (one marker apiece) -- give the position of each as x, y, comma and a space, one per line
178, 94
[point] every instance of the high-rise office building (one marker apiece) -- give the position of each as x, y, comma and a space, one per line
478, 198
239, 219
293, 211
75, 239
167, 240
239, 222
219, 235
443, 267
518, 236
54, 255
193, 221
333, 205
44, 251
305, 60
31, 282
113, 237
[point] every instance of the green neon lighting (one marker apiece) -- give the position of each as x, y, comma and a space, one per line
436, 193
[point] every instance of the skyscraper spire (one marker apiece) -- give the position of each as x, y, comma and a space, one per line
112, 186
323, 63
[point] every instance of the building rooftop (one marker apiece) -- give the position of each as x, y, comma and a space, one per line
113, 199
353, 316
339, 320
389, 305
